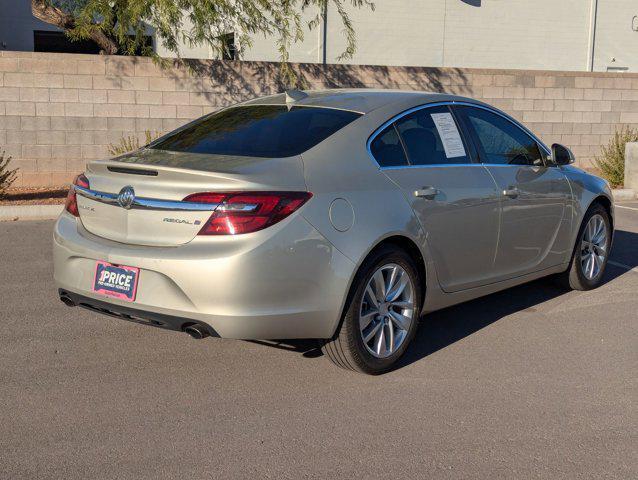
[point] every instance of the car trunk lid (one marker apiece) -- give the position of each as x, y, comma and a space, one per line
160, 180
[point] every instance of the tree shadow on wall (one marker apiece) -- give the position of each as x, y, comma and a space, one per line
227, 82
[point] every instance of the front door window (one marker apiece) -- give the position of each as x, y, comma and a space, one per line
501, 142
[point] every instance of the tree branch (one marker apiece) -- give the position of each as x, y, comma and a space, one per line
52, 15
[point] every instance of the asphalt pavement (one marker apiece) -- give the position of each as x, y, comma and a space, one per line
532, 382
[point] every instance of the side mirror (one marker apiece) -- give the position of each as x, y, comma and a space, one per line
562, 155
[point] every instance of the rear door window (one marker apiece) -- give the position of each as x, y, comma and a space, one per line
432, 137
258, 131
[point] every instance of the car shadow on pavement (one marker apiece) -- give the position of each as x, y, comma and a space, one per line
442, 328
439, 329
309, 348
625, 248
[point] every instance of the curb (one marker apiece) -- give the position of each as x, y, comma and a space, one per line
29, 212
621, 194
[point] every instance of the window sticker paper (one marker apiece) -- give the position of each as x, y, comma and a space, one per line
449, 133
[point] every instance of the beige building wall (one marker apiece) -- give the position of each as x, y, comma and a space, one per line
516, 34
398, 32
539, 34
308, 50
185, 50
616, 45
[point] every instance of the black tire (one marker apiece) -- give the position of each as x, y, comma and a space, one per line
574, 277
347, 349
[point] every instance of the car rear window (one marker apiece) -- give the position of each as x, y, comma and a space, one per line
257, 131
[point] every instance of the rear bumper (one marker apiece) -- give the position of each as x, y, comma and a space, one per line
284, 282
153, 319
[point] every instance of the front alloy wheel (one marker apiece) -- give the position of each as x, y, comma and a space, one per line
594, 247
591, 252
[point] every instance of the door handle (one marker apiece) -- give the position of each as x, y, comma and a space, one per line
511, 192
426, 192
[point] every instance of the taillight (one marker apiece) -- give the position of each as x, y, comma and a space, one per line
247, 212
71, 204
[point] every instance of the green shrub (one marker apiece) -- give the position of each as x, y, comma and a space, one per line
611, 161
131, 143
7, 175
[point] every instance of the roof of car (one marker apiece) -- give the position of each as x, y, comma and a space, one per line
358, 100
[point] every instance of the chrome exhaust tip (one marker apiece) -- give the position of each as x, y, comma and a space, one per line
67, 300
196, 331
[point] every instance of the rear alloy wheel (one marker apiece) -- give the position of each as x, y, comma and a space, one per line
381, 316
591, 252
387, 310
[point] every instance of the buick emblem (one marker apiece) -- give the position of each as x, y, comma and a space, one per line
126, 197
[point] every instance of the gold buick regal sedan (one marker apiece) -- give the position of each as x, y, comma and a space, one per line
340, 215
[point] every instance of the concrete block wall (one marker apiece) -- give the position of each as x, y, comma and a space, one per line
631, 166
58, 111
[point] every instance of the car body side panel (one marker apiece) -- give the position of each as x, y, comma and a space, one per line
345, 174
343, 170
342, 167
437, 299
586, 188
536, 224
466, 201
